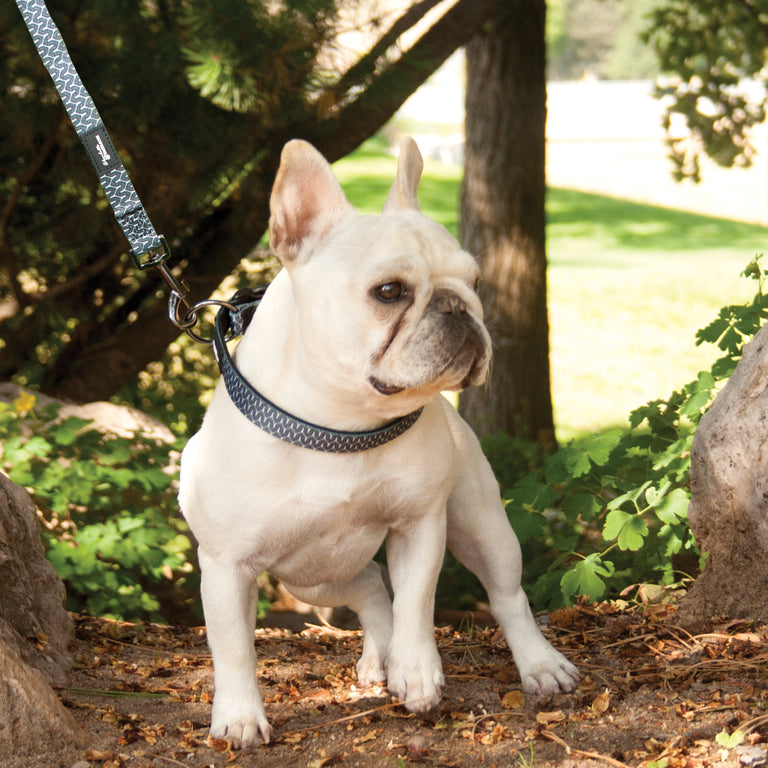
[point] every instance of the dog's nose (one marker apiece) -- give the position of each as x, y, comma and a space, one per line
449, 303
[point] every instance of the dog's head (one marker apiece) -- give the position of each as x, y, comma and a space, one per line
387, 306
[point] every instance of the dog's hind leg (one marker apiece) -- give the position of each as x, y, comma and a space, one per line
480, 536
367, 596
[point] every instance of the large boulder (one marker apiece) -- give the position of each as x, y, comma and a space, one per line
728, 513
35, 632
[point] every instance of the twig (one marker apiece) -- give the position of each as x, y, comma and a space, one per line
329, 629
170, 760
346, 719
755, 722
115, 694
581, 753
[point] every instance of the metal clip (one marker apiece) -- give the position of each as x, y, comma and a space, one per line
153, 257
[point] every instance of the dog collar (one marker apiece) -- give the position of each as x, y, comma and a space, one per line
233, 319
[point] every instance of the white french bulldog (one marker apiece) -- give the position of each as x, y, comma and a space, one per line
370, 319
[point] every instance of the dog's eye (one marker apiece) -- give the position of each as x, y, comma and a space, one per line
477, 285
389, 292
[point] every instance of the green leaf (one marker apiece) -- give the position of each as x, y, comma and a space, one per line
628, 529
67, 432
530, 495
712, 332
586, 578
526, 524
585, 506
674, 507
729, 741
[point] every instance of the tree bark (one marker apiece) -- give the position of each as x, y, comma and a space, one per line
503, 218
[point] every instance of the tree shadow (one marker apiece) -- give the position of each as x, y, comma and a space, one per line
650, 230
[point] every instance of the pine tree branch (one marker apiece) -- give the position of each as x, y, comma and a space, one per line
360, 71
340, 132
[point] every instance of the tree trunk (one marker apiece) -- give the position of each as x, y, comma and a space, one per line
503, 219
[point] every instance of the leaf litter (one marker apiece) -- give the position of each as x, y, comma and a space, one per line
652, 695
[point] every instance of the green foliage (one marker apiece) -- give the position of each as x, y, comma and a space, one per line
711, 50
730, 740
610, 510
110, 519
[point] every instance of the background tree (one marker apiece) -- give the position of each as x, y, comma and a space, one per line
712, 52
502, 217
599, 38
199, 97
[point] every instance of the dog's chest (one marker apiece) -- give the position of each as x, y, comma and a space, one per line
326, 526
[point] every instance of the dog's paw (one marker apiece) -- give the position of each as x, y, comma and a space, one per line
243, 730
370, 670
548, 674
416, 678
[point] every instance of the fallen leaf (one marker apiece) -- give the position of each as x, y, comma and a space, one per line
601, 702
513, 700
370, 736
546, 718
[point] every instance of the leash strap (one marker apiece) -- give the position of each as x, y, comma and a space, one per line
148, 249
235, 316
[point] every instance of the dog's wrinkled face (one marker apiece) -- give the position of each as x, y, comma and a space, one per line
386, 305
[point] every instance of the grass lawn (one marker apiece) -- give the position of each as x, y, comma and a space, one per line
629, 285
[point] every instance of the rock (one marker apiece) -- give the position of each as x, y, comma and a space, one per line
118, 420
32, 615
728, 513
33, 722
35, 632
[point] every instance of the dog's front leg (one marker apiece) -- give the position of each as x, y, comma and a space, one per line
414, 556
230, 600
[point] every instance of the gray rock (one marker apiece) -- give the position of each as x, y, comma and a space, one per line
32, 617
35, 632
728, 513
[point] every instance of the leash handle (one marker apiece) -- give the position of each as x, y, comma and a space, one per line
148, 249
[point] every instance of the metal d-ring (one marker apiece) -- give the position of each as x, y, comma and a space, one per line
180, 313
191, 318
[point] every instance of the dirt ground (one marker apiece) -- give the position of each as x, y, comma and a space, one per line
651, 695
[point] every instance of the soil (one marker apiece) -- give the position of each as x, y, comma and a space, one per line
652, 694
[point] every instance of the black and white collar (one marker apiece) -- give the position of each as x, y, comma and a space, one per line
269, 417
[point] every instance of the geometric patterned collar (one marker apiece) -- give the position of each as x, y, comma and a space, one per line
269, 417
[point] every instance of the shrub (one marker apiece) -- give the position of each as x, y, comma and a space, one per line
610, 510
108, 506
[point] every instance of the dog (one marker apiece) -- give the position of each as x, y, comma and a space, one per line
370, 318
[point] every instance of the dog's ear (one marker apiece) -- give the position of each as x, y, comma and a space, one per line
402, 193
306, 202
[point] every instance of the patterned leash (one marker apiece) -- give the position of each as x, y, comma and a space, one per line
148, 249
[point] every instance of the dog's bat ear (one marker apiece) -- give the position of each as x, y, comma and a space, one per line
402, 194
306, 202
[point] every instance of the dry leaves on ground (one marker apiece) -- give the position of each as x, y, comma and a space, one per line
652, 695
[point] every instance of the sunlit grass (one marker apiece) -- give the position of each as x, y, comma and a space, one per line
629, 285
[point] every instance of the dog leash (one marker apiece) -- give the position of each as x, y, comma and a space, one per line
271, 418
147, 247
150, 251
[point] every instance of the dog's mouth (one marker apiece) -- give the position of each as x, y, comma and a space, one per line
384, 389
